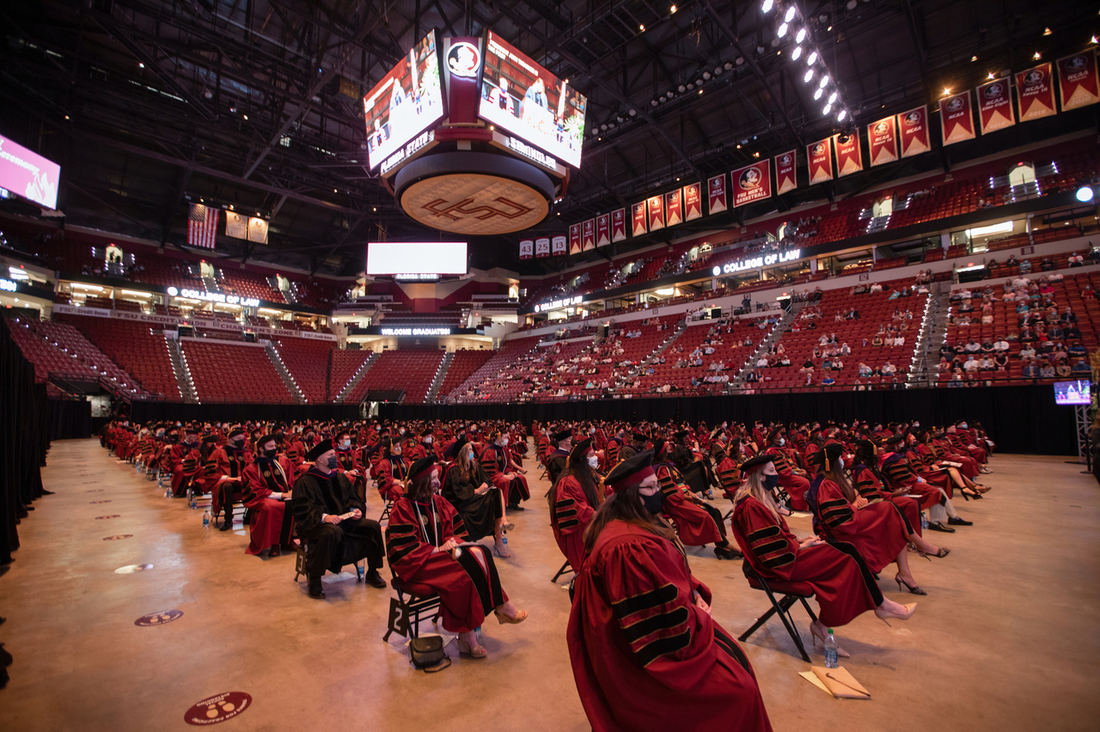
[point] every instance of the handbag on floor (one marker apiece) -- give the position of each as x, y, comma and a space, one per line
426, 653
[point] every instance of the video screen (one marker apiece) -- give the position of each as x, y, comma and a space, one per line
407, 101
527, 100
1072, 392
416, 258
28, 174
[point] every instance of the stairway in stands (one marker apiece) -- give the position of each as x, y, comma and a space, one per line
926, 356
183, 375
777, 332
284, 372
350, 386
440, 376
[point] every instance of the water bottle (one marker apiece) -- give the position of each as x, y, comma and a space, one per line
923, 520
205, 519
168, 491
830, 650
504, 539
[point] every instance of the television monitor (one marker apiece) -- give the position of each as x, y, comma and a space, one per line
28, 174
416, 258
1072, 392
407, 101
521, 97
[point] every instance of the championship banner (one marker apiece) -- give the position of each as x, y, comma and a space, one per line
674, 208
956, 118
542, 247
995, 106
848, 157
618, 224
1035, 93
716, 191
603, 233
882, 141
784, 173
820, 157
559, 246
913, 132
236, 225
693, 202
574, 239
588, 235
656, 206
1077, 81
257, 230
638, 213
752, 183
527, 249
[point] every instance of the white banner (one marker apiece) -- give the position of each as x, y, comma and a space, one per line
208, 323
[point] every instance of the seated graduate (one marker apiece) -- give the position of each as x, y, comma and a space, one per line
844, 586
697, 522
185, 463
425, 546
349, 463
556, 460
496, 461
901, 470
878, 530
573, 501
391, 471
230, 485
479, 503
330, 519
267, 484
645, 651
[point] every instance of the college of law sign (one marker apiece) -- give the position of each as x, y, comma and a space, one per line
542, 307
765, 260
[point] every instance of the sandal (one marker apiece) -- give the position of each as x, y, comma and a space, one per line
504, 619
500, 551
472, 652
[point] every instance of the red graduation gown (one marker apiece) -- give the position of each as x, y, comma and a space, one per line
876, 530
795, 485
267, 513
870, 487
771, 549
644, 656
570, 518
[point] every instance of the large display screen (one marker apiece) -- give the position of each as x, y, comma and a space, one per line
1072, 392
416, 258
523, 98
28, 174
406, 102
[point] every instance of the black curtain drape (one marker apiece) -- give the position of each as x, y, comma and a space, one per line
23, 439
1020, 419
70, 419
144, 412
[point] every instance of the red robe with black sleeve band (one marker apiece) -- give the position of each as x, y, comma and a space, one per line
262, 478
644, 656
870, 487
772, 550
231, 464
694, 526
795, 485
495, 461
570, 518
877, 530
899, 474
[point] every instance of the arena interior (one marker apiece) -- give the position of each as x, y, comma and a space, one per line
331, 328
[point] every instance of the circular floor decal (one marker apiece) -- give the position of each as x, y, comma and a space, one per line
164, 616
116, 537
218, 708
131, 568
106, 501
113, 515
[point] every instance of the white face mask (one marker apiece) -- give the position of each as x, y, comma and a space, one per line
593, 461
428, 440
401, 431
345, 444
782, 441
840, 463
504, 442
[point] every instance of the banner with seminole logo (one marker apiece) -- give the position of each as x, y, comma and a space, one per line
574, 239
784, 173
693, 202
1077, 80
603, 231
848, 156
913, 132
1035, 92
956, 118
618, 224
638, 219
820, 160
882, 141
995, 106
588, 235
716, 191
656, 206
752, 183
674, 210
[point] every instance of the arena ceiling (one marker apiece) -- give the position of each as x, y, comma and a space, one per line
256, 103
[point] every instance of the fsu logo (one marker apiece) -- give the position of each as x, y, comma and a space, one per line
1077, 63
1034, 77
463, 59
618, 215
784, 160
750, 179
881, 128
819, 149
716, 184
955, 104
994, 91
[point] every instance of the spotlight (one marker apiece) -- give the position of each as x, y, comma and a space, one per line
699, 82
812, 58
782, 30
1084, 194
828, 108
672, 9
1037, 56
800, 36
789, 16
843, 113
681, 88
1046, 31
832, 97
729, 67
760, 50
718, 70
653, 103
796, 53
818, 93
767, 6
809, 75
706, 75
691, 85
823, 82
633, 112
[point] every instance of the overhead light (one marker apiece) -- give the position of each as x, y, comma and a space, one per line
812, 58
760, 49
782, 30
991, 75
1084, 194
828, 108
800, 36
1091, 40
700, 91
142, 66
832, 97
633, 112
789, 15
843, 113
706, 75
718, 70
1037, 56
729, 67
767, 6
756, 154
796, 53
823, 82
973, 58
946, 91
809, 75
818, 93
699, 82
1046, 31
672, 9
681, 88
691, 85
1002, 228
642, 27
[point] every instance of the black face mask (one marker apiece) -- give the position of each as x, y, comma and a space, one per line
655, 503
270, 454
332, 463
771, 481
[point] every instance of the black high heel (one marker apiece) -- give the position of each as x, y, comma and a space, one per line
914, 589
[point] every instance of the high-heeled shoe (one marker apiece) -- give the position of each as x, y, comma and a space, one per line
471, 651
882, 614
969, 493
915, 589
819, 637
500, 551
515, 620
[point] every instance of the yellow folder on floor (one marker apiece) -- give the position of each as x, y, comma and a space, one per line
840, 683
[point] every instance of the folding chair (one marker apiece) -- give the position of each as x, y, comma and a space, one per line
565, 569
792, 592
412, 605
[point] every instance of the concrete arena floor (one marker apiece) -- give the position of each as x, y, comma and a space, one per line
1006, 639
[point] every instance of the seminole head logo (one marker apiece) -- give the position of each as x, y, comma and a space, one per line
914, 118
1034, 77
750, 179
1077, 63
881, 128
716, 184
818, 149
955, 104
785, 160
995, 90
463, 59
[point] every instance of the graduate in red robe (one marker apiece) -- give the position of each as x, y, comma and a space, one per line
697, 522
391, 472
573, 501
229, 481
789, 480
426, 550
844, 586
645, 651
868, 482
185, 464
508, 477
898, 468
268, 481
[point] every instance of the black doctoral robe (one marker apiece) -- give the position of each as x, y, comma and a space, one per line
331, 546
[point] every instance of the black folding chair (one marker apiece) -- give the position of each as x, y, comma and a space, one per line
565, 569
792, 592
409, 608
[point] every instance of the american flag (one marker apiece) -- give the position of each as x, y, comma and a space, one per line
202, 225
